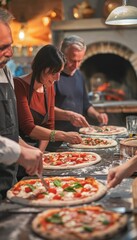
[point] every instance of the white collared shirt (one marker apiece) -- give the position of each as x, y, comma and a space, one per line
9, 151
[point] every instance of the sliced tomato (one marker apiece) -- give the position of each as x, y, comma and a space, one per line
28, 189
79, 161
85, 190
75, 154
40, 195
58, 162
83, 155
57, 197
77, 194
31, 182
47, 182
65, 185
52, 190
17, 189
73, 158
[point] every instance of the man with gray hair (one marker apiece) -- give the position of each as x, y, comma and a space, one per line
70, 90
11, 152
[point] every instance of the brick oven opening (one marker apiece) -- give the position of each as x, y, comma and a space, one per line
110, 71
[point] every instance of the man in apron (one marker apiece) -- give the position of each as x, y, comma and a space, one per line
8, 113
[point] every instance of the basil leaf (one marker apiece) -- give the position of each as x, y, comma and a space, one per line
87, 228
57, 183
105, 222
77, 185
55, 218
69, 189
81, 211
31, 186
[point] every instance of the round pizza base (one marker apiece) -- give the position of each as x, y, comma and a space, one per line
102, 189
66, 235
112, 143
120, 130
130, 142
80, 165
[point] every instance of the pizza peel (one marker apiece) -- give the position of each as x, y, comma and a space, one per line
134, 195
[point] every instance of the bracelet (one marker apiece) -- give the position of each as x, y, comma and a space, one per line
52, 136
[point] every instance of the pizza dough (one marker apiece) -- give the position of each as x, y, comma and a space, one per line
93, 143
69, 160
103, 130
63, 191
85, 222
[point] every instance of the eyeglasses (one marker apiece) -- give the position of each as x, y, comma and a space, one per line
4, 48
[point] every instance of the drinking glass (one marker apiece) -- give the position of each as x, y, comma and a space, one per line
131, 125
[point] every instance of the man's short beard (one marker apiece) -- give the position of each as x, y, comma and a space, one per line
4, 62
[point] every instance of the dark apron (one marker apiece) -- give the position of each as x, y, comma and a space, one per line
9, 129
39, 120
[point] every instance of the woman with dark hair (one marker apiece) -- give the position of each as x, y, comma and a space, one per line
35, 100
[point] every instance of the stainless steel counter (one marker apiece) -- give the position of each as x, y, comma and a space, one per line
17, 225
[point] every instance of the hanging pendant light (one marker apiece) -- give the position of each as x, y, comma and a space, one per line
124, 15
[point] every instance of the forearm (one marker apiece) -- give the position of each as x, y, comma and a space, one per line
24, 144
61, 114
131, 166
43, 144
92, 112
42, 133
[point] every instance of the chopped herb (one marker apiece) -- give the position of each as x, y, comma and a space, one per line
57, 183
81, 211
69, 189
55, 218
105, 221
77, 185
87, 228
31, 186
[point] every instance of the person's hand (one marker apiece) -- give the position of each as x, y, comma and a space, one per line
115, 176
31, 160
78, 120
73, 137
103, 118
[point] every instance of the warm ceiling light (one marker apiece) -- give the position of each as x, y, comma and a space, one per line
124, 15
22, 33
53, 14
46, 20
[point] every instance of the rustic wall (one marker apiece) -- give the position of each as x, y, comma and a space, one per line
31, 13
96, 4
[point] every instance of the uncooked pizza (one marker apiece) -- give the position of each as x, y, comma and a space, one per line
89, 142
61, 191
69, 160
103, 130
85, 223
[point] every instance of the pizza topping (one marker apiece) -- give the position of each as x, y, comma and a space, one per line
95, 141
55, 218
87, 222
63, 189
103, 130
68, 159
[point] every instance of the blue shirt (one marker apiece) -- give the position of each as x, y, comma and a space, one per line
71, 95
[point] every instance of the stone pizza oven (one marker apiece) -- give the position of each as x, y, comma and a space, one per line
110, 68
109, 65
